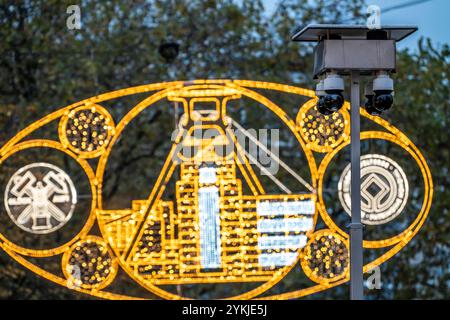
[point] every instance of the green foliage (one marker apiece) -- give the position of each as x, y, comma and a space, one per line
44, 66
422, 112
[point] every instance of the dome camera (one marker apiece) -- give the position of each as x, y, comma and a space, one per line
368, 103
383, 88
332, 99
320, 93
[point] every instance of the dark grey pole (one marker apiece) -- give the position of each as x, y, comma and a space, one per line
356, 228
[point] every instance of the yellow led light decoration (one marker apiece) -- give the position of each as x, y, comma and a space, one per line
323, 133
326, 257
219, 224
88, 264
86, 130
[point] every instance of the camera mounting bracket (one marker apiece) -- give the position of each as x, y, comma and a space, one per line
344, 48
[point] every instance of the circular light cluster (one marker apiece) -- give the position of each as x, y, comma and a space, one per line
384, 189
88, 264
40, 198
87, 130
322, 132
325, 257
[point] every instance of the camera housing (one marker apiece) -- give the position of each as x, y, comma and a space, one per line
332, 98
320, 93
368, 102
383, 89
379, 94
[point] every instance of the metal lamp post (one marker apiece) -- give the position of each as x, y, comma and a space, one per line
354, 50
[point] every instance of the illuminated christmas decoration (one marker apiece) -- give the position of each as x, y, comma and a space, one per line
40, 198
209, 233
221, 225
86, 130
326, 257
384, 189
323, 132
88, 264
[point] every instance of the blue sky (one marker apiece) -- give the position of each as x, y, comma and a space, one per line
432, 17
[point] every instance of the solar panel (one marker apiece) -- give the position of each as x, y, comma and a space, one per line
315, 32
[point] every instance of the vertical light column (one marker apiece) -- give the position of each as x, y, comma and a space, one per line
209, 218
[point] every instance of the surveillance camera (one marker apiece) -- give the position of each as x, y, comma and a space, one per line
368, 103
320, 93
383, 88
332, 100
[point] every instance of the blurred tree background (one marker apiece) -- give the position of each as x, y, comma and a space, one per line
44, 66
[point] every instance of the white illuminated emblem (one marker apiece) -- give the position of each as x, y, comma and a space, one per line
384, 189
40, 198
